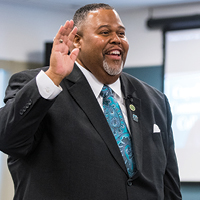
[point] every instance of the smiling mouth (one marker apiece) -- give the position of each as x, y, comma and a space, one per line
114, 54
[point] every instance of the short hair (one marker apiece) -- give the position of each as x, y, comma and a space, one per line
81, 14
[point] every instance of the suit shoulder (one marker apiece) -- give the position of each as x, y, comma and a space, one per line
142, 88
139, 83
19, 80
29, 73
26, 75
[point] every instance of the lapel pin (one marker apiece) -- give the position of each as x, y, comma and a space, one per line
135, 118
132, 107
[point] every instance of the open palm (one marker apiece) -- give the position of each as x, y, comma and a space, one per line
61, 62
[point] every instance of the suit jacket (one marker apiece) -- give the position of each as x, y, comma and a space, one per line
63, 149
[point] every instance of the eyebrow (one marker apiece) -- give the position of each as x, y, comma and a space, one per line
108, 26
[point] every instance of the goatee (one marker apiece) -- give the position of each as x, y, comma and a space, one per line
113, 71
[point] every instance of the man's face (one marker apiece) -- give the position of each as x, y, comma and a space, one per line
103, 45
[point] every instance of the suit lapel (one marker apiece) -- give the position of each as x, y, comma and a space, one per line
133, 106
81, 91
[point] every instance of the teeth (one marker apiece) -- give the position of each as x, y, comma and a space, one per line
114, 52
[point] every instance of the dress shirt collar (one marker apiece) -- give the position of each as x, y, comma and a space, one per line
97, 86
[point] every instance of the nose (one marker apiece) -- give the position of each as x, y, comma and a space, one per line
115, 39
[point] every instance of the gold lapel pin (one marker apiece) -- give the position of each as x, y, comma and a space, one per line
132, 107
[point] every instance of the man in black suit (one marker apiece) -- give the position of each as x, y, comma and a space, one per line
53, 128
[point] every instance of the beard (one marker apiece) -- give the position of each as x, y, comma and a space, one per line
113, 71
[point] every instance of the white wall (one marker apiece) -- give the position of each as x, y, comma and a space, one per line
24, 30
145, 44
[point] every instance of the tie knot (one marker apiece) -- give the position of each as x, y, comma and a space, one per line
106, 91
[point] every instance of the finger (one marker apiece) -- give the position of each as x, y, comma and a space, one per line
72, 35
64, 38
67, 28
69, 24
66, 32
67, 41
74, 54
58, 36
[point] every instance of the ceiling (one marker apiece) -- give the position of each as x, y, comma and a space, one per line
65, 5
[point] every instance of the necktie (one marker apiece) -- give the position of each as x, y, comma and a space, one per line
118, 126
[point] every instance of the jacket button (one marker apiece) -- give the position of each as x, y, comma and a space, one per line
130, 182
21, 112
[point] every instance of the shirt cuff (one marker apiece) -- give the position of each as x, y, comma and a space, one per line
46, 87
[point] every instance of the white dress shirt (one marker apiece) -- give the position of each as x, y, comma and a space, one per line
49, 90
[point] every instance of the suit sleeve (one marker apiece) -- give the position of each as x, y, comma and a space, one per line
21, 116
171, 177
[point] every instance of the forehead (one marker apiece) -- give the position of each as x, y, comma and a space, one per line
101, 17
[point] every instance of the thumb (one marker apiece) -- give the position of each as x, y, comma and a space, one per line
74, 54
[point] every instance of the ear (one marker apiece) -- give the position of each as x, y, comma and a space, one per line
77, 41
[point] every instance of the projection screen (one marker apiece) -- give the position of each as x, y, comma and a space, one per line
182, 87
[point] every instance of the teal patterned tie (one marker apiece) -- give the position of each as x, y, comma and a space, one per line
117, 124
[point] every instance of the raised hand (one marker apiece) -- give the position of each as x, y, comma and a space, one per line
61, 64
